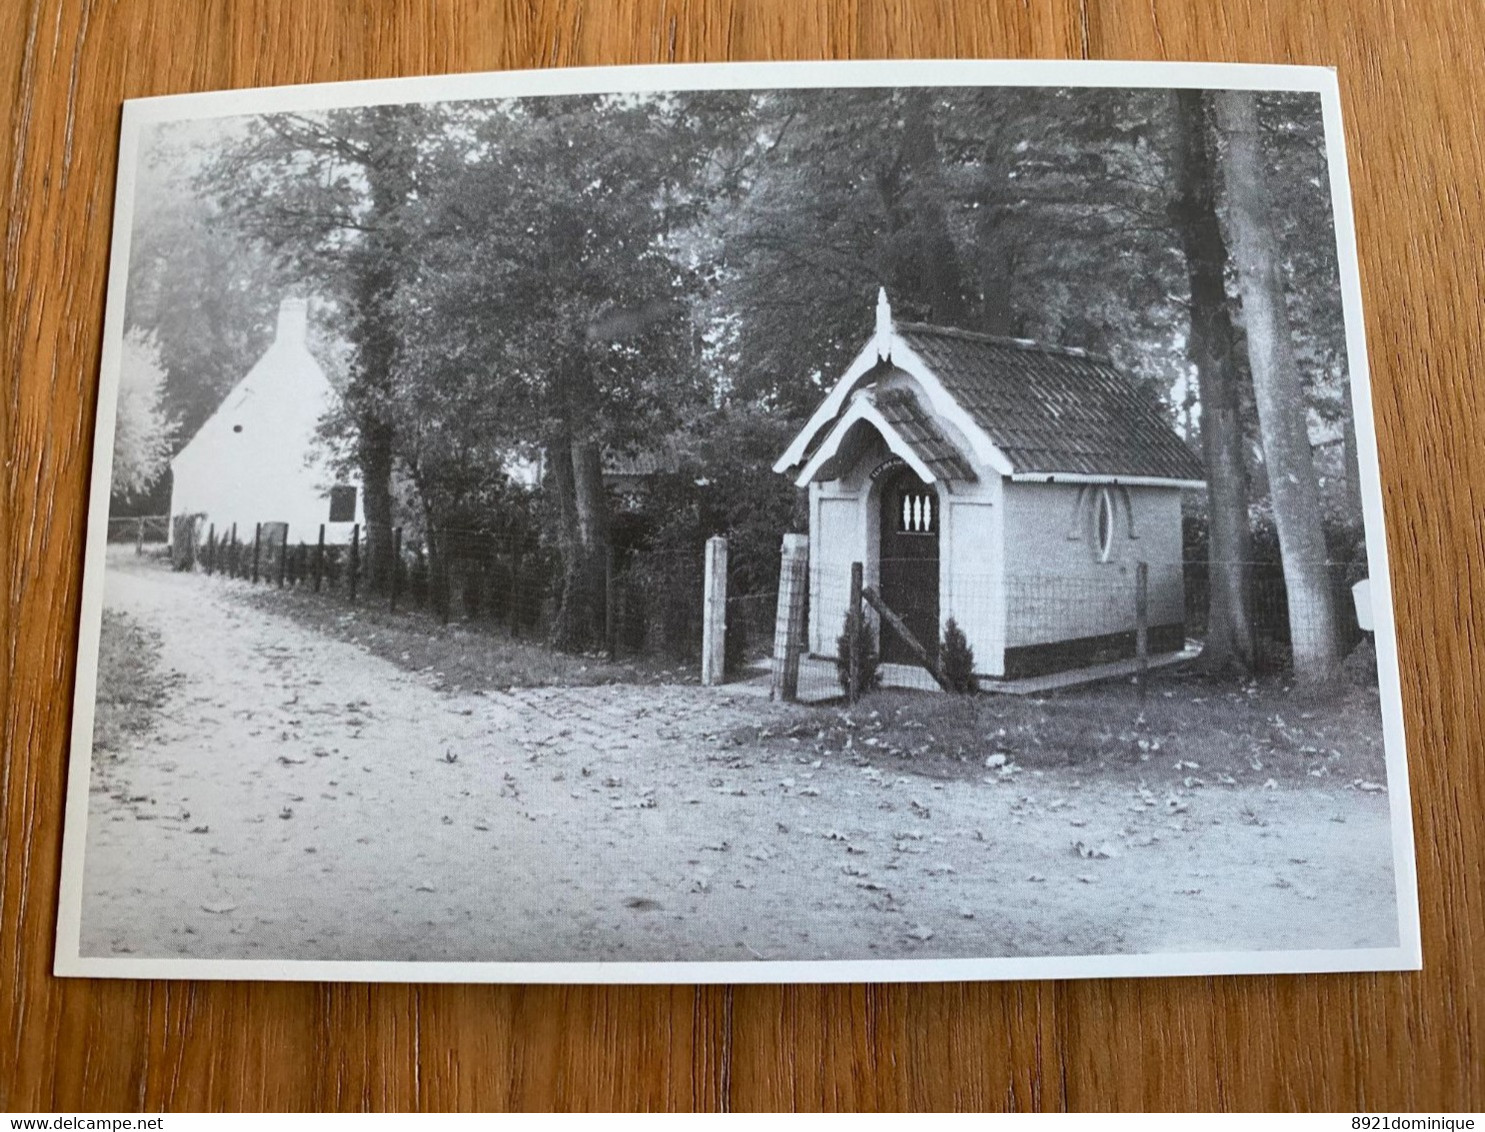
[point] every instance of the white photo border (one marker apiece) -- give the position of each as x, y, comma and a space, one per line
141, 113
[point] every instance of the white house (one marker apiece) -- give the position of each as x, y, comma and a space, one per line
257, 460
1010, 485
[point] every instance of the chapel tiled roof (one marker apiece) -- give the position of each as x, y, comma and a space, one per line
1053, 409
909, 420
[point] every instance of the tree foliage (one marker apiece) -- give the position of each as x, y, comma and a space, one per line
201, 286
858, 624
143, 429
957, 659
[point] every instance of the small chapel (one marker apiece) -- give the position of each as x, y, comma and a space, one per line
1010, 485
257, 459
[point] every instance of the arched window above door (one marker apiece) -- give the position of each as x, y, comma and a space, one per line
917, 512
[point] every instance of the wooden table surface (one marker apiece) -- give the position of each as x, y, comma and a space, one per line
1411, 76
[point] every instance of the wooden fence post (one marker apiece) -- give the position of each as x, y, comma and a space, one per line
139, 539
610, 613
211, 550
444, 591
320, 558
355, 567
788, 626
515, 592
257, 544
853, 628
714, 612
233, 558
396, 569
1142, 622
283, 555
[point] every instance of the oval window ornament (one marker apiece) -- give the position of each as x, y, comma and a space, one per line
1104, 528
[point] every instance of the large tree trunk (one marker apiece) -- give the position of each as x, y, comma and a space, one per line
1355, 512
1210, 346
577, 476
390, 181
375, 453
1282, 410
926, 270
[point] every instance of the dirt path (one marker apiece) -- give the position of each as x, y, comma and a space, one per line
301, 798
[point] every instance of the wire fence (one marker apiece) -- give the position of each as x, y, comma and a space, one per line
749, 641
141, 530
1041, 626
649, 603
1010, 628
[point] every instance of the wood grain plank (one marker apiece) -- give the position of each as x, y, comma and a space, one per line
1409, 69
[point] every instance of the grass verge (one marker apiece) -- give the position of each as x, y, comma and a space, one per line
1190, 729
462, 655
131, 687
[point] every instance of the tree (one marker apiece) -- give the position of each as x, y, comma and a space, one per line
1278, 392
848, 191
1211, 345
143, 431
1302, 217
1007, 211
957, 659
858, 624
206, 292
557, 278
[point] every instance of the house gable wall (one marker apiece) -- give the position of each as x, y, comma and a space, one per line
257, 458
1057, 589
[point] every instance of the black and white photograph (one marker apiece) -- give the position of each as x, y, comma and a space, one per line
738, 523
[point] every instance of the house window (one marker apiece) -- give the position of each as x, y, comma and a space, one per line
917, 513
343, 503
1103, 525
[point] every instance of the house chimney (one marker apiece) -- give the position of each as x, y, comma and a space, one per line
293, 322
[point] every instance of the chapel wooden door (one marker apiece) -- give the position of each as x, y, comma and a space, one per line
909, 563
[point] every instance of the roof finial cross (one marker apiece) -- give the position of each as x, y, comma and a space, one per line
884, 324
